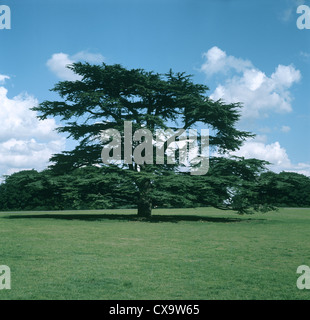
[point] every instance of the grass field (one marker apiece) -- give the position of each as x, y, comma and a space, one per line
180, 254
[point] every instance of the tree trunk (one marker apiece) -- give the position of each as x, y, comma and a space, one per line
145, 201
144, 207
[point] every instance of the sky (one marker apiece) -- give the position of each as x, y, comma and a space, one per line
250, 52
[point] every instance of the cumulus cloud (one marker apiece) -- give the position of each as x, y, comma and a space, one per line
259, 93
273, 153
59, 63
25, 141
216, 60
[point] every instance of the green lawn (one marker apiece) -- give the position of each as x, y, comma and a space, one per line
181, 254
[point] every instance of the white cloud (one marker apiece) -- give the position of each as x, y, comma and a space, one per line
3, 78
88, 56
218, 61
301, 168
284, 77
285, 129
260, 94
59, 63
25, 141
273, 153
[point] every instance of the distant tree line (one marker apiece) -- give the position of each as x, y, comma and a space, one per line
229, 184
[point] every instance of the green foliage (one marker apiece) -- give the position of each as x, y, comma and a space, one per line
83, 188
108, 95
286, 189
231, 184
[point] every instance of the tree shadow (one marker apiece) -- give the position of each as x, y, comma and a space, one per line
132, 217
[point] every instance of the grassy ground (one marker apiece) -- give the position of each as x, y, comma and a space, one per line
182, 254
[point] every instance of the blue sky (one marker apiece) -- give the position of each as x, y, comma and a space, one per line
246, 51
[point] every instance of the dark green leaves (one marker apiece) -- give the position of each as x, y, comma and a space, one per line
108, 95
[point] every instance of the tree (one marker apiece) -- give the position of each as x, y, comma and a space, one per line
285, 189
241, 179
28, 190
108, 95
231, 184
83, 188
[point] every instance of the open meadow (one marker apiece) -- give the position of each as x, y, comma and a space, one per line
200, 253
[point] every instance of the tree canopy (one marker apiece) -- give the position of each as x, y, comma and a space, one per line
108, 95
